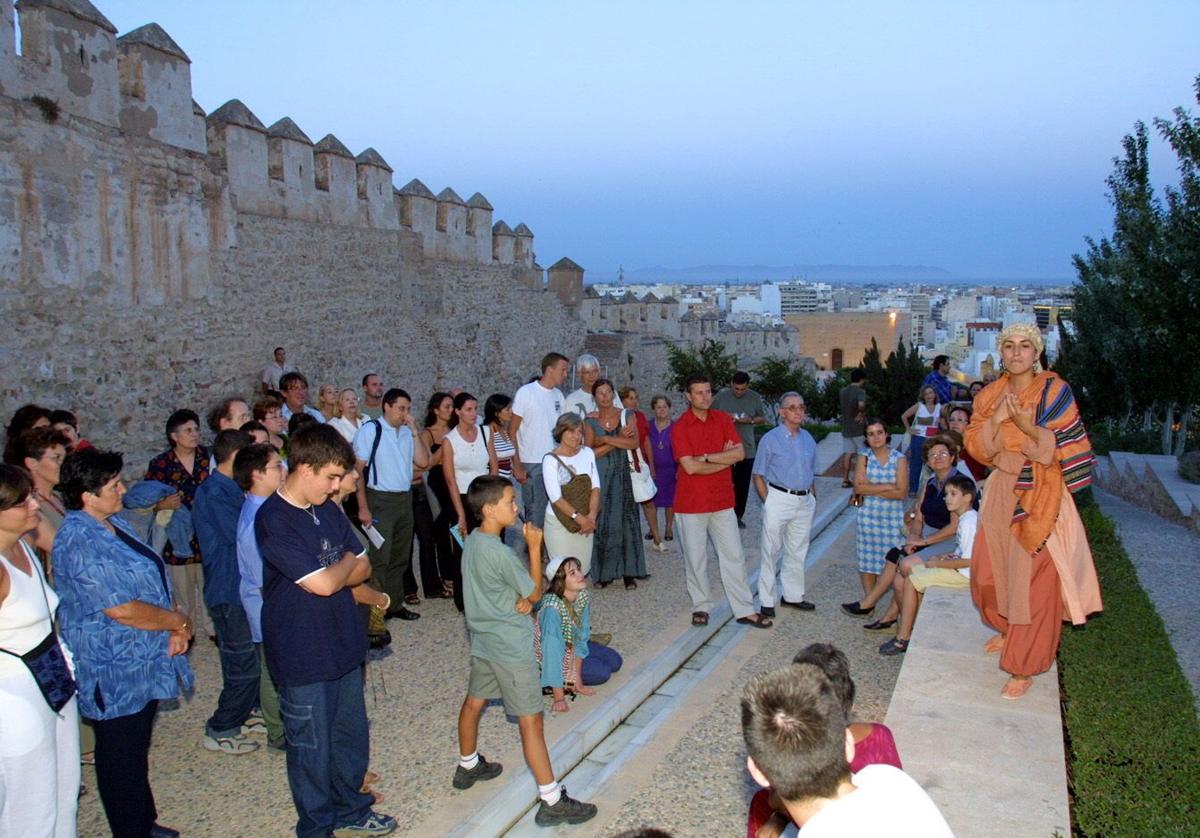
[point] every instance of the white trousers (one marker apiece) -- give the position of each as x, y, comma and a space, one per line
694, 531
39, 763
786, 525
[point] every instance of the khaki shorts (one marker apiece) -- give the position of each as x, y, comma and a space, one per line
853, 444
937, 577
518, 685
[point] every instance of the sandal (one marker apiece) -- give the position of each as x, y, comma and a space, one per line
669, 537
699, 618
1015, 688
879, 625
412, 599
894, 646
756, 620
630, 585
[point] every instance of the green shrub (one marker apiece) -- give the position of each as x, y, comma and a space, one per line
1132, 736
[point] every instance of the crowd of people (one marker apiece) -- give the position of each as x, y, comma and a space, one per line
289, 542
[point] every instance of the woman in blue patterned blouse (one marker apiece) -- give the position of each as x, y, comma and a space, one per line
117, 615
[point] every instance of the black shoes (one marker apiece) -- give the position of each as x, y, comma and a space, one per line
566, 810
378, 641
802, 605
855, 610
402, 613
767, 611
465, 778
160, 831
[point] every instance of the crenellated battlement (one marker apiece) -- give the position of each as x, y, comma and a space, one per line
72, 59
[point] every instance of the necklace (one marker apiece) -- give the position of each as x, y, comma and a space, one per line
308, 509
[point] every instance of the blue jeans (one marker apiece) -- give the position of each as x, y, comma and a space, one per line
239, 670
915, 460
533, 493
327, 750
599, 665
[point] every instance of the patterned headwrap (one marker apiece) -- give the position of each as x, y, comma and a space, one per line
1029, 332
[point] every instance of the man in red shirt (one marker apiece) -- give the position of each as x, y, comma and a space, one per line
706, 446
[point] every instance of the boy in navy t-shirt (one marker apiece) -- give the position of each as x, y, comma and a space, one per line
314, 639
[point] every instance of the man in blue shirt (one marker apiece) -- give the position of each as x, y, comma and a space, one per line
294, 387
937, 378
784, 469
215, 513
314, 638
385, 450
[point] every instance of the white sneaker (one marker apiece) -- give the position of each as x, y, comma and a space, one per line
232, 745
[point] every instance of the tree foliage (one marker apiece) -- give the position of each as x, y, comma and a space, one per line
709, 359
776, 376
1133, 341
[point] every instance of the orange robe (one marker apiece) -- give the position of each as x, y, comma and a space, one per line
1031, 564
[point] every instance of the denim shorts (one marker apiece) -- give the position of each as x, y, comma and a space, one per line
518, 685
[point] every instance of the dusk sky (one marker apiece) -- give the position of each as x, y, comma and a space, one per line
970, 136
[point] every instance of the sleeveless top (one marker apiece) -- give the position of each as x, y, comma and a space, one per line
925, 423
25, 614
470, 458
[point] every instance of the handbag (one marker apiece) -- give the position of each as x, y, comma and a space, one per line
46, 661
577, 492
644, 487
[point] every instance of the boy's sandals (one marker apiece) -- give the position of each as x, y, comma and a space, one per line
1016, 687
994, 645
756, 620
699, 618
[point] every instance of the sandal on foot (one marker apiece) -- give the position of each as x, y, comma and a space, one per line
758, 621
412, 599
1015, 688
894, 646
699, 618
880, 625
630, 585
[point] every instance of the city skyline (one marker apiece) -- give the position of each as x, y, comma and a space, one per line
973, 139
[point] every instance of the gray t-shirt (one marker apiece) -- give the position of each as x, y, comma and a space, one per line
852, 395
493, 579
749, 404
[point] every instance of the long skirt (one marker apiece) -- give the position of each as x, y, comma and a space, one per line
1028, 649
618, 550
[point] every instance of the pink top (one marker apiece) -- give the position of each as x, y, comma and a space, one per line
879, 748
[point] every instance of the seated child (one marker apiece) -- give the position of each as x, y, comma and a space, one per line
498, 596
561, 634
798, 744
948, 570
873, 742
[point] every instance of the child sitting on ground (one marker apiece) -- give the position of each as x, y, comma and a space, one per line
502, 659
873, 742
561, 635
948, 570
798, 744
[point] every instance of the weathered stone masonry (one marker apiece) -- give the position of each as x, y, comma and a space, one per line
152, 256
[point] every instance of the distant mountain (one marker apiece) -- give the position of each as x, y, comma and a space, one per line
779, 273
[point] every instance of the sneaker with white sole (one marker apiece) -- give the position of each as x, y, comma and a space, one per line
232, 745
254, 725
566, 810
373, 824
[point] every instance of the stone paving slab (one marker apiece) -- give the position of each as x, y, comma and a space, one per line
994, 767
1166, 557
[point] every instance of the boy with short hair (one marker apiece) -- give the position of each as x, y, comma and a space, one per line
503, 664
314, 640
948, 570
798, 743
258, 471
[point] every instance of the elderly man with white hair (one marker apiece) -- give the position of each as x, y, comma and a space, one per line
587, 372
784, 472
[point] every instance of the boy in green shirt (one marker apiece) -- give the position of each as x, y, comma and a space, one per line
503, 664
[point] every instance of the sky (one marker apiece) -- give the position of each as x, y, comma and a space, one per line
968, 135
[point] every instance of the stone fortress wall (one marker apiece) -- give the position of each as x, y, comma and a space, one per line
151, 256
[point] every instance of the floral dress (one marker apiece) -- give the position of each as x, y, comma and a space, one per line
879, 519
166, 468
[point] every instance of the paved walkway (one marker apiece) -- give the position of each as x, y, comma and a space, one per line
1165, 556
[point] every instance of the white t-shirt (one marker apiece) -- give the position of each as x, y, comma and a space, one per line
470, 458
345, 427
554, 476
886, 802
964, 536
272, 372
581, 402
539, 408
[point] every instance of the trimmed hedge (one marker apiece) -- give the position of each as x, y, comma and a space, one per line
1132, 736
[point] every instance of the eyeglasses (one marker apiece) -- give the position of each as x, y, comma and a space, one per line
933, 454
